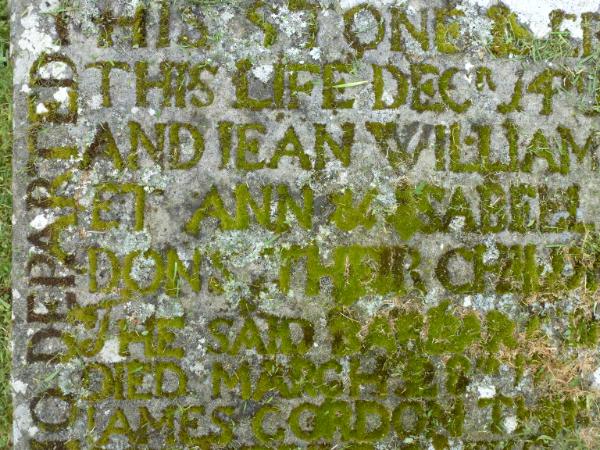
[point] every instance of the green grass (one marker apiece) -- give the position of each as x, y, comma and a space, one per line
556, 46
5, 227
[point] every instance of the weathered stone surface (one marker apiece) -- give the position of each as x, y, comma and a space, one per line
302, 224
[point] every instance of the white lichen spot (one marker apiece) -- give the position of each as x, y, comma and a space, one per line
140, 311
49, 6
40, 309
56, 70
510, 424
199, 369
62, 95
387, 97
22, 422
123, 241
315, 53
153, 178
25, 89
19, 387
96, 102
110, 352
491, 251
169, 307
486, 391
39, 222
227, 16
33, 40
484, 302
290, 22
371, 304
293, 54
347, 4
263, 73
596, 380
41, 109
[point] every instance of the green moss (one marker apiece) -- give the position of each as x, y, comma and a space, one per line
493, 204
569, 145
426, 87
175, 270
253, 14
93, 254
448, 334
378, 87
445, 32
138, 24
587, 19
349, 25
102, 204
398, 156
191, 19
446, 85
563, 200
500, 332
104, 145
457, 368
302, 212
52, 114
544, 84
257, 427
242, 88
483, 140
347, 217
176, 162
401, 346
158, 271
408, 327
118, 424
171, 80
106, 68
331, 86
583, 331
89, 347
344, 333
246, 146
342, 151
430, 353
291, 147
294, 87
400, 18
484, 76
459, 208
539, 148
508, 36
515, 102
239, 219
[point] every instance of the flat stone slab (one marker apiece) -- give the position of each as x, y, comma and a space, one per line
306, 224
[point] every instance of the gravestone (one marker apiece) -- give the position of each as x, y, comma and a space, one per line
306, 224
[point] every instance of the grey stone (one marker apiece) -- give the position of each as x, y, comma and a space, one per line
142, 289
